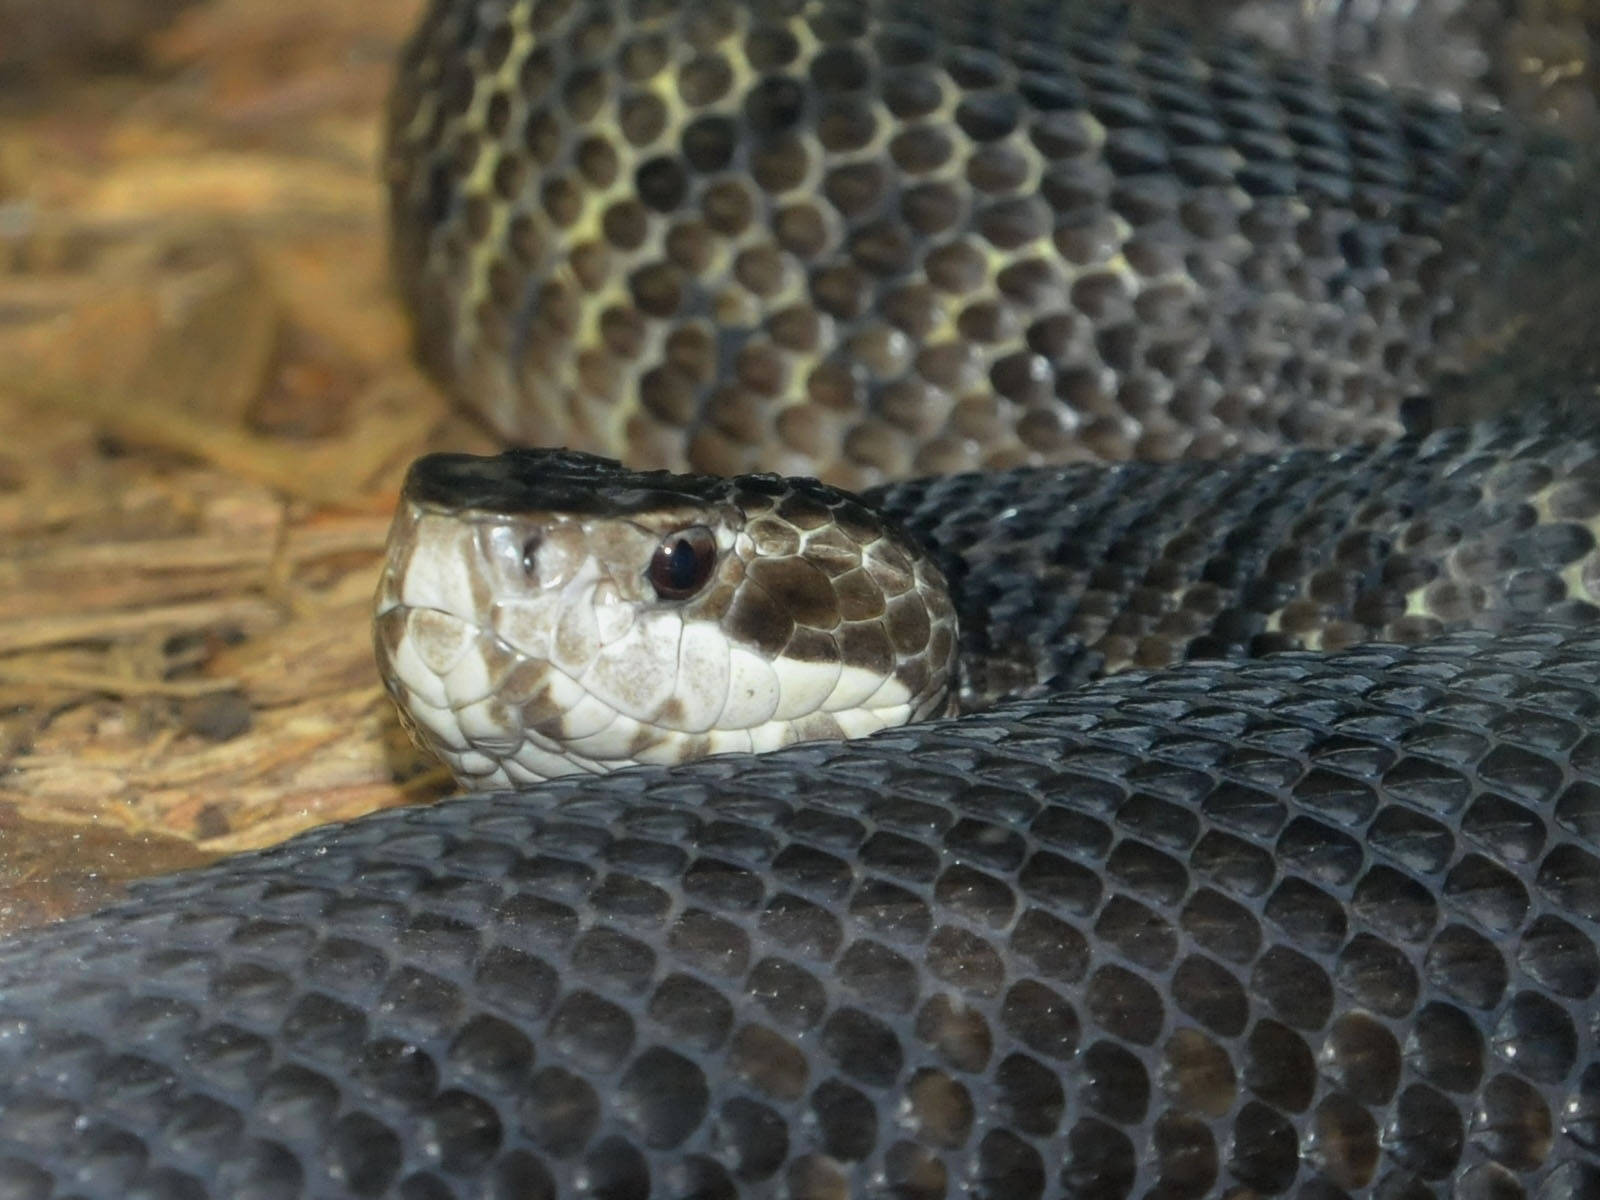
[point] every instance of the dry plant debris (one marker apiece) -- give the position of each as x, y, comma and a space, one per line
206, 405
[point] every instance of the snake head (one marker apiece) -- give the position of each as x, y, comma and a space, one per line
544, 612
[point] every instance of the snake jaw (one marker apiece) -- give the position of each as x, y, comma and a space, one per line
521, 634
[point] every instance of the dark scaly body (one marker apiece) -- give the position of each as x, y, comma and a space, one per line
873, 239
1064, 575
1317, 925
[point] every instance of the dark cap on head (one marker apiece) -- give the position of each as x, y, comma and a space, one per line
553, 481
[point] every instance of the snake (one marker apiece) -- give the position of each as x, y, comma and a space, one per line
868, 790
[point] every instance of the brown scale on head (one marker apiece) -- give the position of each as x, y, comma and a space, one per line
853, 242
545, 612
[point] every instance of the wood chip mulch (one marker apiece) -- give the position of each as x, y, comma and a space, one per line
207, 402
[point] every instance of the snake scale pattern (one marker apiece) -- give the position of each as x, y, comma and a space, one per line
1323, 924
874, 240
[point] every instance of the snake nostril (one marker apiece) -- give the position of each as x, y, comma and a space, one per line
530, 557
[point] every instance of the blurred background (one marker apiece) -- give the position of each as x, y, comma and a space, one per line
207, 400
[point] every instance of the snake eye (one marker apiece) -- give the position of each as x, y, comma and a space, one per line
530, 557
682, 563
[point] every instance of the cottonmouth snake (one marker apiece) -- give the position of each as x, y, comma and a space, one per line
1317, 924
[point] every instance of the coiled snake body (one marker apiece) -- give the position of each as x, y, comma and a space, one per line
1320, 924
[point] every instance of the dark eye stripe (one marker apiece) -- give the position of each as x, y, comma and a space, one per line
683, 562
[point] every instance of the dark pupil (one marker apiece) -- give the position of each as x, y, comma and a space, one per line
682, 563
682, 566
